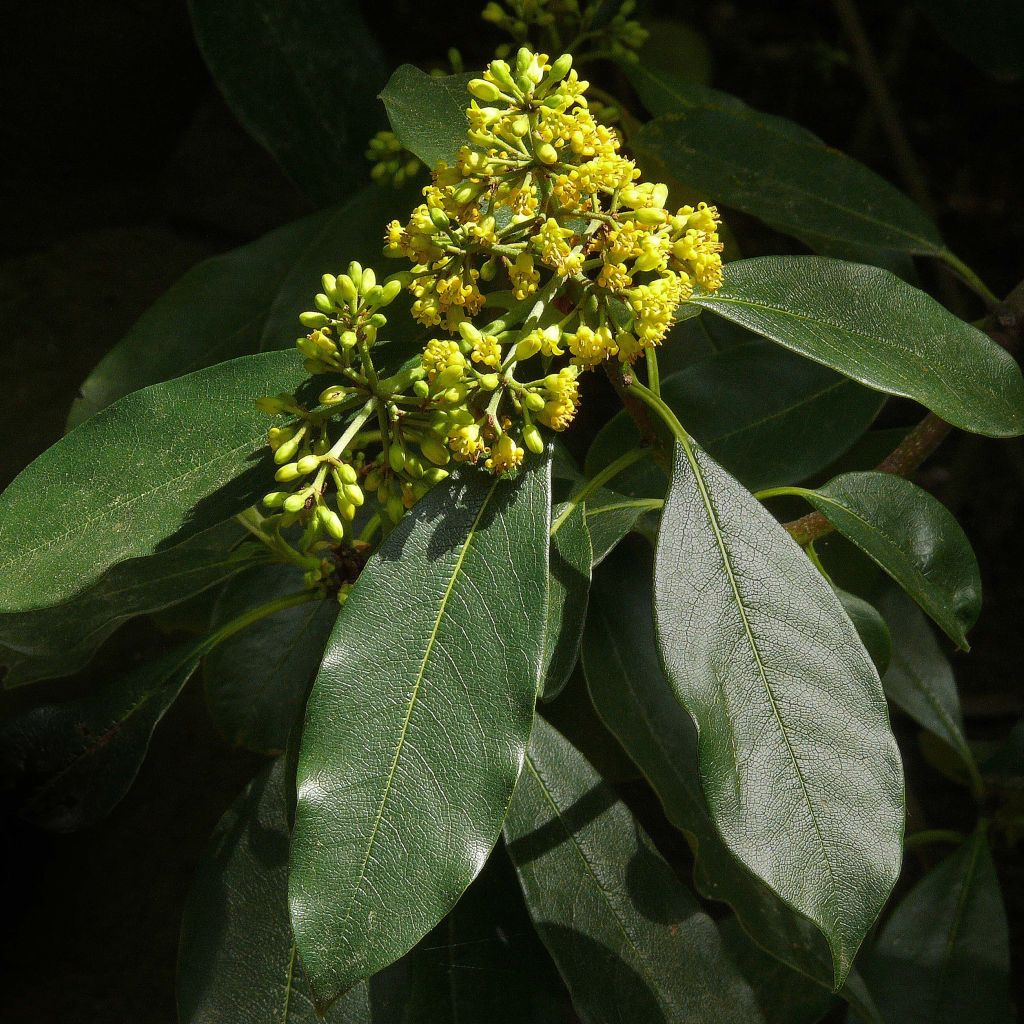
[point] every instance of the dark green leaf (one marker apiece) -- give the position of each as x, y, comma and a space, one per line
870, 626
767, 416
238, 960
800, 770
631, 943
1005, 767
246, 301
914, 538
78, 759
150, 471
418, 721
51, 642
920, 679
568, 586
779, 173
676, 48
302, 77
428, 113
784, 995
871, 326
636, 702
943, 957
611, 516
258, 679
663, 91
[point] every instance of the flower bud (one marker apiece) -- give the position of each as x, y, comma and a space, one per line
534, 401
334, 394
274, 406
369, 280
332, 523
559, 69
396, 457
288, 472
421, 389
355, 271
348, 474
470, 333
547, 154
345, 287
501, 72
346, 509
528, 347
294, 503
651, 215
323, 303
330, 283
450, 375
313, 320
435, 475
483, 90
353, 494
532, 439
489, 381
287, 451
373, 295
275, 499
376, 322
307, 464
389, 292
435, 449
394, 508
439, 218
488, 269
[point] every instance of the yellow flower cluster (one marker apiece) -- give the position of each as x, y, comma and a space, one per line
542, 223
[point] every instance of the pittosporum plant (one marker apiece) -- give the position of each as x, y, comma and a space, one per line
411, 575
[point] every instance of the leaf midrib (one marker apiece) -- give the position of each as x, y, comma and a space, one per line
755, 651
414, 696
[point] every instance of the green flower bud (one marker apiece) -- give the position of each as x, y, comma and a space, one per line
651, 215
373, 296
378, 320
483, 90
355, 271
435, 449
307, 464
394, 508
332, 523
396, 457
450, 375
334, 394
469, 332
369, 280
294, 503
345, 287
421, 389
419, 489
330, 283
348, 339
489, 381
287, 451
489, 269
534, 401
288, 472
389, 292
274, 406
559, 69
323, 303
313, 320
467, 192
435, 475
547, 154
528, 347
346, 509
532, 439
348, 474
439, 218
353, 494
501, 71
275, 499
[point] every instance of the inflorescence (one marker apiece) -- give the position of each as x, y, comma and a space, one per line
542, 220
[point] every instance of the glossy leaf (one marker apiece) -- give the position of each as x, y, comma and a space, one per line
302, 78
798, 765
635, 701
247, 300
417, 724
943, 956
51, 642
870, 626
767, 416
257, 680
871, 326
784, 176
914, 538
630, 942
920, 678
568, 586
77, 760
428, 113
237, 959
612, 516
152, 470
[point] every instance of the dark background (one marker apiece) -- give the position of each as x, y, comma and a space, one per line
123, 168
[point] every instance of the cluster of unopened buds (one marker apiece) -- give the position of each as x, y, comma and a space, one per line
540, 222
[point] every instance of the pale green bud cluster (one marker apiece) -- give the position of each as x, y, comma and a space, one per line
392, 163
